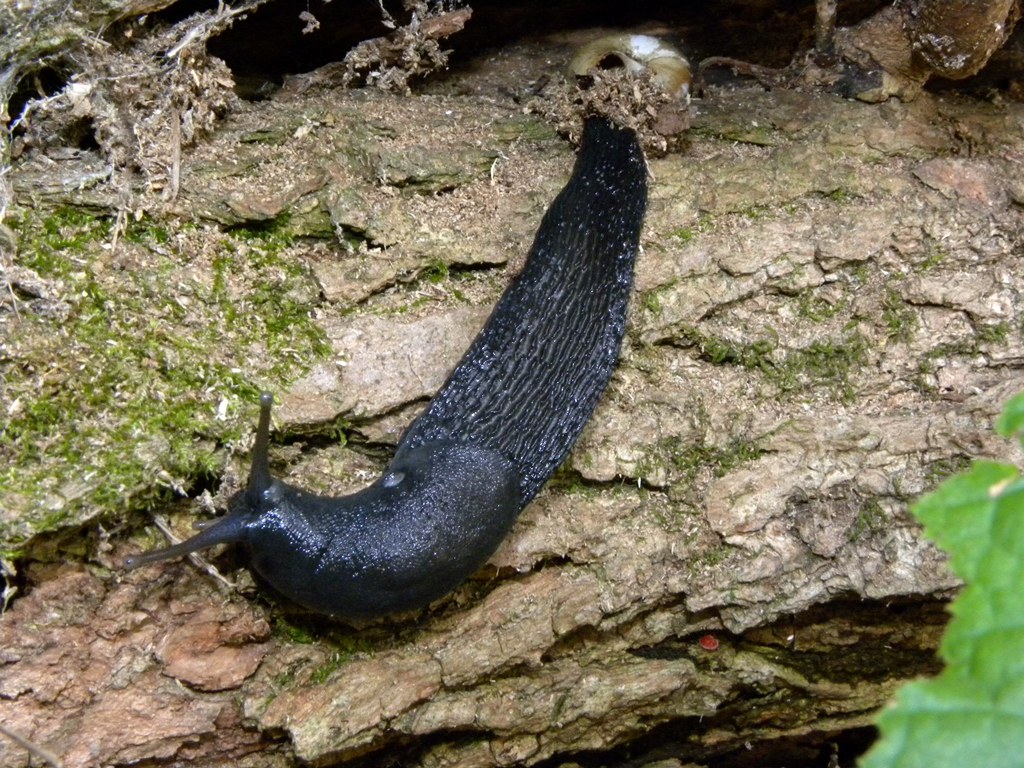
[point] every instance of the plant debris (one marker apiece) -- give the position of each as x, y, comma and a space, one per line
410, 51
142, 104
631, 100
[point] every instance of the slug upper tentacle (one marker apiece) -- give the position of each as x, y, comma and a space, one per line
502, 423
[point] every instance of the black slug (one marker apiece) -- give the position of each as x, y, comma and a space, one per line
499, 427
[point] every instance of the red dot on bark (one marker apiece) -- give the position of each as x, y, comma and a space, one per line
709, 643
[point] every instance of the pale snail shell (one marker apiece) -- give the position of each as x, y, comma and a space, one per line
670, 68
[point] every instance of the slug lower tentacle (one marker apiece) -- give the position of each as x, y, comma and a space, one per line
489, 439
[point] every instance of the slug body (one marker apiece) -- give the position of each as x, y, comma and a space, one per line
489, 439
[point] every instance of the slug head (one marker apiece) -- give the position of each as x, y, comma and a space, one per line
232, 528
434, 516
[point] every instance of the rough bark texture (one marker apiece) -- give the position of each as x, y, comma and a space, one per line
902, 46
827, 317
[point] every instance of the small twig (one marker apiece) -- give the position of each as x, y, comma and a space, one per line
494, 167
386, 18
35, 104
41, 752
388, 50
6, 192
175, 155
120, 224
17, 317
766, 76
224, 15
15, 301
824, 25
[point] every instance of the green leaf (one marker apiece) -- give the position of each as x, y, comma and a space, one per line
959, 515
1011, 423
972, 714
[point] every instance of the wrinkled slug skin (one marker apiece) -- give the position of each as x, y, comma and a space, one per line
531, 379
485, 444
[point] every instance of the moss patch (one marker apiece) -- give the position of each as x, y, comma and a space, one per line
825, 364
688, 466
900, 320
148, 355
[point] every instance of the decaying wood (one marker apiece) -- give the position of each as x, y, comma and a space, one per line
909, 42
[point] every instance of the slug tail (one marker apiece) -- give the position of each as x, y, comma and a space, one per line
226, 530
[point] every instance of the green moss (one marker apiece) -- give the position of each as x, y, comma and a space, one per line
900, 320
748, 132
688, 465
684, 235
758, 212
651, 301
860, 273
146, 232
926, 366
840, 195
436, 272
568, 480
49, 248
127, 387
690, 459
708, 559
274, 136
870, 518
937, 471
997, 333
827, 363
345, 647
523, 127
816, 309
322, 674
293, 633
934, 256
719, 351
